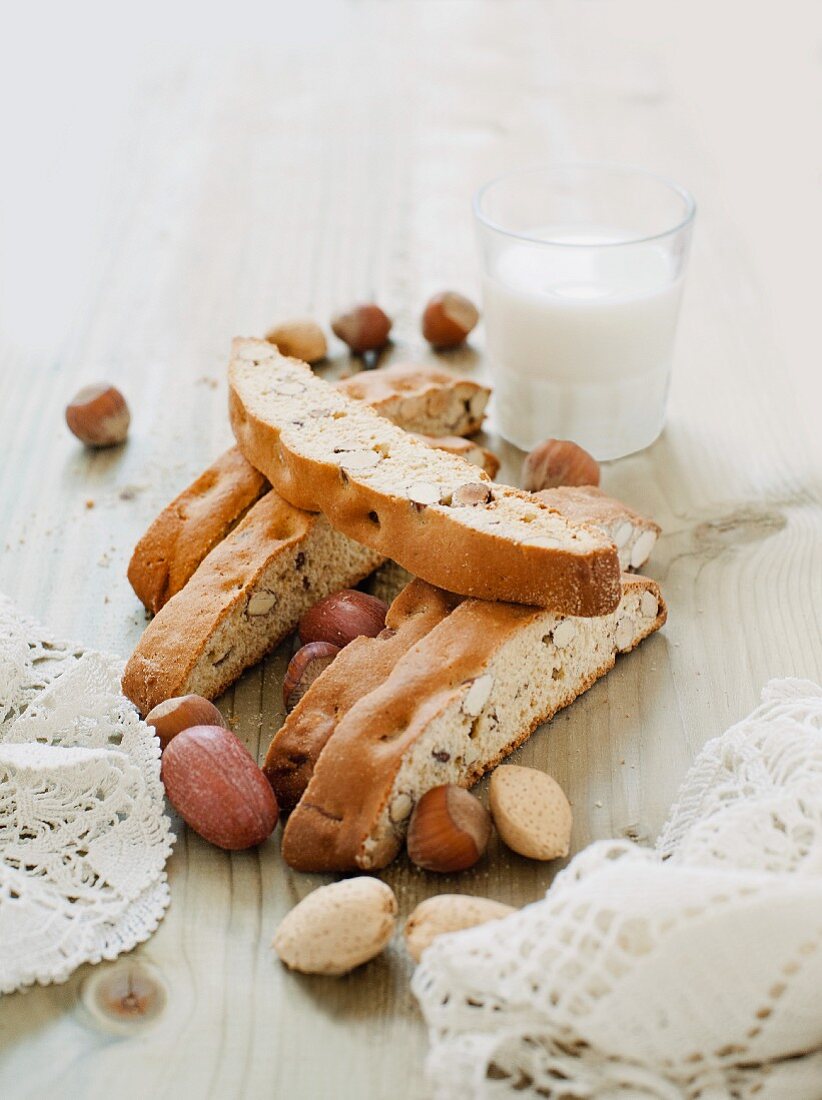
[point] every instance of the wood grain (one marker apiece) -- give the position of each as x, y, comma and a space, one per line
293, 178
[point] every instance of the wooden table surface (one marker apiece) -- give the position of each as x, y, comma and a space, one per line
335, 160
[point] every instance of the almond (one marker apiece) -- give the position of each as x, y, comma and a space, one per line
424, 492
338, 927
448, 913
475, 492
564, 633
216, 787
530, 811
642, 548
649, 605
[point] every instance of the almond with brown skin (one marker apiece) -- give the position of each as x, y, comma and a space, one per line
342, 617
216, 787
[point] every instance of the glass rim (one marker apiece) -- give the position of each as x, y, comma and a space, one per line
589, 166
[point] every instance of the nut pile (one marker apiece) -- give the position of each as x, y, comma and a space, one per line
215, 785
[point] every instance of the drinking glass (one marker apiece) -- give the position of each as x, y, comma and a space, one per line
583, 268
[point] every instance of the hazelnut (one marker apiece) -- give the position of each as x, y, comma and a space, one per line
304, 668
558, 462
448, 319
98, 415
342, 617
449, 830
301, 339
363, 327
181, 713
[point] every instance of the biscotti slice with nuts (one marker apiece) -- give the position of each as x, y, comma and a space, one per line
192, 525
360, 667
416, 398
244, 598
432, 512
464, 697
422, 399
634, 535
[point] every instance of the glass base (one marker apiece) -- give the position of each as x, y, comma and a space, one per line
610, 420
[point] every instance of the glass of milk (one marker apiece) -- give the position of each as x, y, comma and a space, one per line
583, 269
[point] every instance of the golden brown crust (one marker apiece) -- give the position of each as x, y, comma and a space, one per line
190, 526
359, 668
174, 641
202, 514
177, 654
422, 399
329, 827
577, 573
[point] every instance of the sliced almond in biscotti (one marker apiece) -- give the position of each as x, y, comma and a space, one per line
359, 668
421, 727
422, 399
633, 534
246, 595
192, 525
324, 451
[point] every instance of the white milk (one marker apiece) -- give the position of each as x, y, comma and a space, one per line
581, 340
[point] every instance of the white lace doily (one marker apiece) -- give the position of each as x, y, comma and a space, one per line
692, 971
83, 833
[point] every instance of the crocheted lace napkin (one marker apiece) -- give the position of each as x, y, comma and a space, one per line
694, 970
83, 834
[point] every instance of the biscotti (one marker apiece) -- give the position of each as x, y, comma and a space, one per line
432, 512
634, 535
359, 668
191, 525
244, 598
422, 399
416, 398
464, 697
